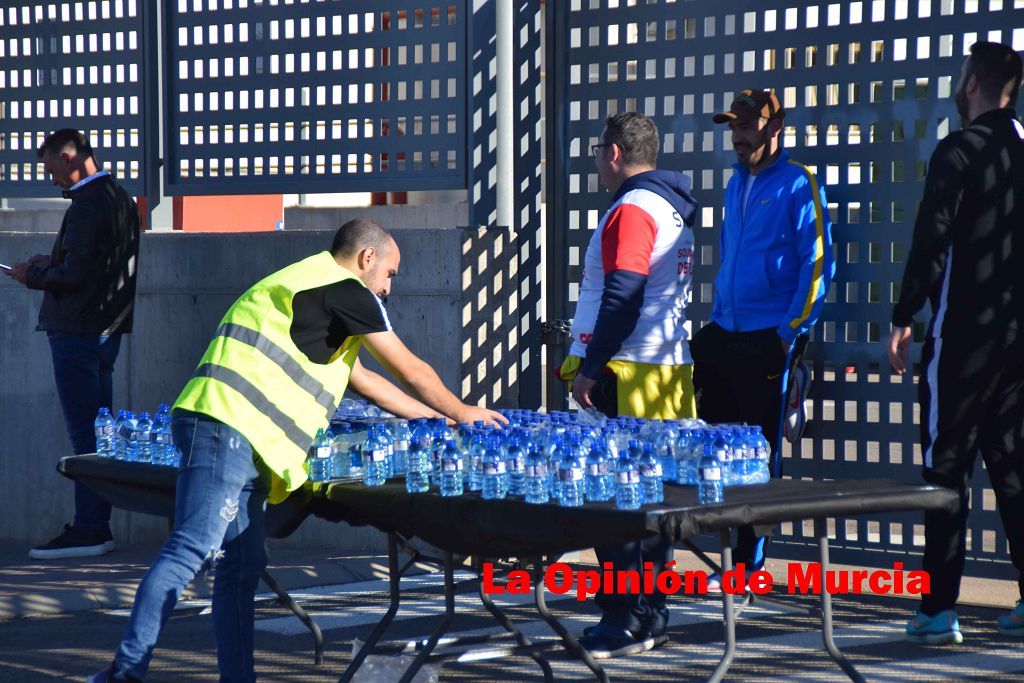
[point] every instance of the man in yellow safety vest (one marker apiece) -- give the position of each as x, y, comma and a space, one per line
276, 370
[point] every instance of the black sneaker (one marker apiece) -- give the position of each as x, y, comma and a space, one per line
75, 542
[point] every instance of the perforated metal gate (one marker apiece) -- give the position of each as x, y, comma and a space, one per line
867, 89
80, 65
302, 97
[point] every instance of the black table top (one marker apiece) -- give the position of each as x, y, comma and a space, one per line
501, 528
511, 527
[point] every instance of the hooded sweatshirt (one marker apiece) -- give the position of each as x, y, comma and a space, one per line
636, 277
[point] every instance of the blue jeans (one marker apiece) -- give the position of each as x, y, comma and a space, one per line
218, 520
83, 367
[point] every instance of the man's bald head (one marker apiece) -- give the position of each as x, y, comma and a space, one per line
358, 234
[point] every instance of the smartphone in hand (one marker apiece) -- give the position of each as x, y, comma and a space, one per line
5, 266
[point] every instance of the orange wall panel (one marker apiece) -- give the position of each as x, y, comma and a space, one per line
228, 213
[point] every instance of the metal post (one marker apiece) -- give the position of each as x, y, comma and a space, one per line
556, 283
505, 21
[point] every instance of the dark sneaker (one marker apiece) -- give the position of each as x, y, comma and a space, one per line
107, 676
605, 642
75, 542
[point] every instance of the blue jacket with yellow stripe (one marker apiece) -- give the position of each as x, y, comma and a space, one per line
776, 258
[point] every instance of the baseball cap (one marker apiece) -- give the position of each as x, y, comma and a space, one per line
750, 104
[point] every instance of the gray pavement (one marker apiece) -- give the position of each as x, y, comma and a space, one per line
61, 620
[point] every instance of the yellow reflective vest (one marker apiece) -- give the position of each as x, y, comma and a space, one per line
254, 379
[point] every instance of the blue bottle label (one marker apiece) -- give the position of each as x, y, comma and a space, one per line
451, 465
571, 474
711, 473
628, 477
125, 431
378, 455
323, 452
651, 470
597, 469
494, 468
537, 471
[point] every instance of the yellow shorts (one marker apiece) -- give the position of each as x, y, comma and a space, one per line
646, 390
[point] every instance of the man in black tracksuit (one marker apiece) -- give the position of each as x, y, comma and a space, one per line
967, 258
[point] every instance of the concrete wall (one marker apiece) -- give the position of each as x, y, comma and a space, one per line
186, 283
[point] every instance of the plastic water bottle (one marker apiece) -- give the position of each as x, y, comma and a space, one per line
417, 475
142, 438
104, 429
475, 460
570, 481
600, 484
710, 484
720, 444
375, 457
160, 440
650, 476
384, 433
494, 475
439, 437
762, 454
686, 465
628, 495
515, 464
742, 457
401, 434
127, 430
537, 481
318, 462
121, 433
355, 450
451, 470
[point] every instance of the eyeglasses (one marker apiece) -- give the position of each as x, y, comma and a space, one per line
594, 148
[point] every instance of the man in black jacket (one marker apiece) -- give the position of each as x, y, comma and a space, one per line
89, 291
967, 258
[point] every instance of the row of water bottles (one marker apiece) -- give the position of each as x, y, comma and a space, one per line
568, 458
139, 438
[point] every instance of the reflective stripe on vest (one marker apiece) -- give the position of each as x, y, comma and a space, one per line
257, 398
268, 348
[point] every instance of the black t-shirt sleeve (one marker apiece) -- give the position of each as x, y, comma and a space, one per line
357, 307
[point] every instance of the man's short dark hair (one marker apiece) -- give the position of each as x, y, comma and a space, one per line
60, 140
358, 234
997, 68
636, 135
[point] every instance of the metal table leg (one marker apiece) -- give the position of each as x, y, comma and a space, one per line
394, 589
725, 538
568, 641
296, 608
750, 598
442, 627
821, 531
523, 641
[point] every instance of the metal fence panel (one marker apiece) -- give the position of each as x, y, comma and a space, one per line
274, 96
72, 65
867, 89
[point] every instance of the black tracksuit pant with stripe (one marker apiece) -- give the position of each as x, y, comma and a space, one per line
972, 401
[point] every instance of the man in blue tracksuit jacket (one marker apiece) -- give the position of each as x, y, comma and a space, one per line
776, 267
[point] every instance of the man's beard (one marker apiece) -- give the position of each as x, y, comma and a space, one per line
962, 106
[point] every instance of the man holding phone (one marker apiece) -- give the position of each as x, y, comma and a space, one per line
88, 280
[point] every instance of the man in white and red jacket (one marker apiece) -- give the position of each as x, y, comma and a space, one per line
630, 353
